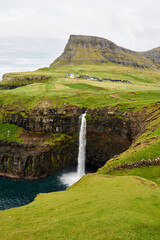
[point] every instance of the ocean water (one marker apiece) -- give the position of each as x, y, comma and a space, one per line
15, 193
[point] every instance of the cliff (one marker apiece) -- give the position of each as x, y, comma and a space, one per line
95, 49
49, 140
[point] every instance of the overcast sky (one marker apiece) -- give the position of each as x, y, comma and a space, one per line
34, 32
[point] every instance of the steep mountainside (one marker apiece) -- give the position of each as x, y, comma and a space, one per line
87, 48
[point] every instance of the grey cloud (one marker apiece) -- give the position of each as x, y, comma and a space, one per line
39, 29
24, 54
120, 21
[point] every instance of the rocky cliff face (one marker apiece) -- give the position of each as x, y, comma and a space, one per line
87, 48
42, 153
30, 161
22, 79
15, 81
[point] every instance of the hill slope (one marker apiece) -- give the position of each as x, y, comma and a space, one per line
97, 207
95, 49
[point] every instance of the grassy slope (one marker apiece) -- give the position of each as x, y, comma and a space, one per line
98, 207
151, 173
87, 93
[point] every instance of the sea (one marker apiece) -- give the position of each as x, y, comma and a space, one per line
16, 193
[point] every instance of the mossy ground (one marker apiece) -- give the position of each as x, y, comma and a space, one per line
98, 207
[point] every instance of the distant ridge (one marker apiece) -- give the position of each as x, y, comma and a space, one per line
81, 49
153, 55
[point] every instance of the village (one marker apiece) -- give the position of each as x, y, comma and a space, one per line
87, 77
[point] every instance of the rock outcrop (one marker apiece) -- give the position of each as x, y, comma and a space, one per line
142, 163
11, 81
22, 79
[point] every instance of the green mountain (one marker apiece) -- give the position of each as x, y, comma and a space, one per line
80, 49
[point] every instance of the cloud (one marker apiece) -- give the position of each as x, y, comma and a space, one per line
28, 53
39, 29
121, 21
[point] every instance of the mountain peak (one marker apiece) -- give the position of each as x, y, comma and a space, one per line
82, 48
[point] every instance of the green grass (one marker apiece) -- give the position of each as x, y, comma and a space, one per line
10, 132
98, 207
151, 173
85, 87
143, 90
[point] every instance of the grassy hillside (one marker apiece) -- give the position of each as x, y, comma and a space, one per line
143, 89
98, 207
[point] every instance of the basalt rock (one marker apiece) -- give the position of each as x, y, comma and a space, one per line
108, 133
31, 78
142, 163
12, 82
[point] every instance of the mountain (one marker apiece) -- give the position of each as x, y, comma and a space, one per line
153, 55
81, 49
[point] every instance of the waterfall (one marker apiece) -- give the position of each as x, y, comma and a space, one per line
72, 177
82, 147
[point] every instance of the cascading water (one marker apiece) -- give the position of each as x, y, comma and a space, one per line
82, 147
70, 178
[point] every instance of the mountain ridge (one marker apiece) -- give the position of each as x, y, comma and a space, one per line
80, 48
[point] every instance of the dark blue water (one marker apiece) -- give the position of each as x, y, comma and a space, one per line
15, 193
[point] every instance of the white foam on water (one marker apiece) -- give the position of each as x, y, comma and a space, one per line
69, 179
